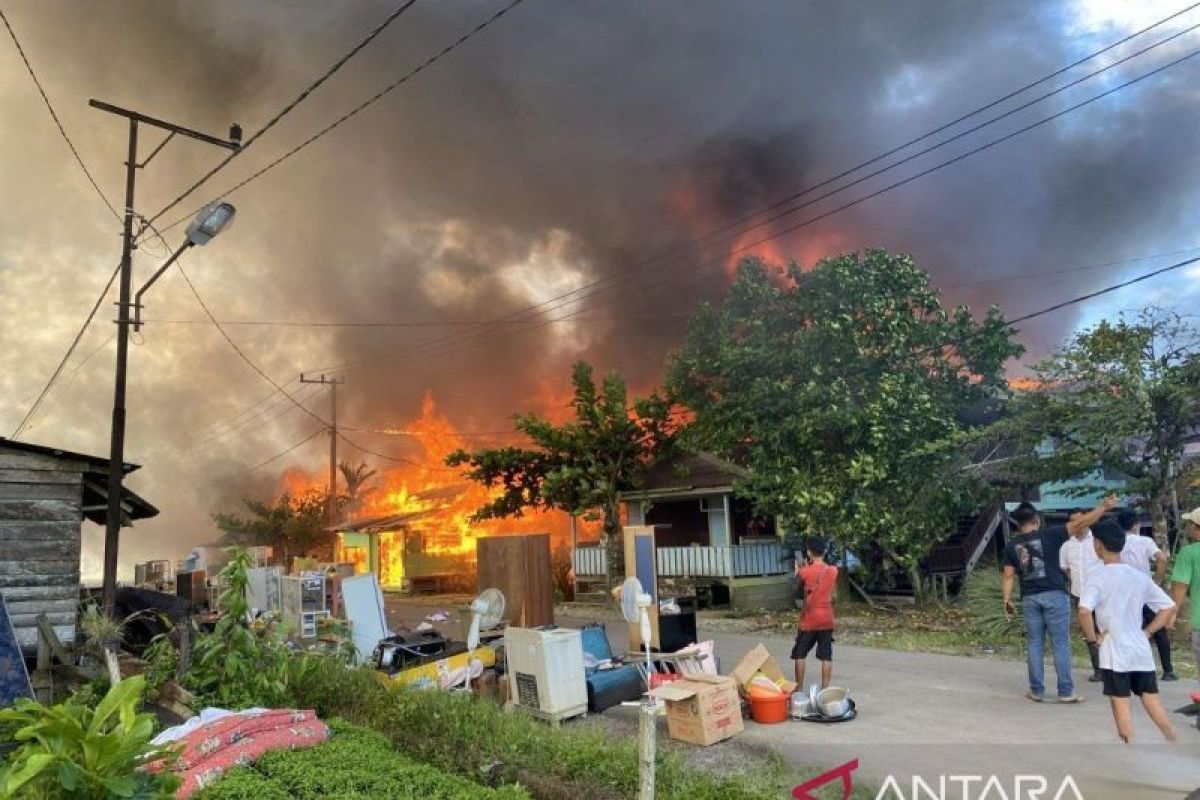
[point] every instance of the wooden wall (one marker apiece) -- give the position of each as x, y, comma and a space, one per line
41, 500
519, 566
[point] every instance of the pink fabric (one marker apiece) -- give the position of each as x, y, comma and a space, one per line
210, 751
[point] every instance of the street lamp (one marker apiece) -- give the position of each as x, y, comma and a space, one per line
208, 224
212, 219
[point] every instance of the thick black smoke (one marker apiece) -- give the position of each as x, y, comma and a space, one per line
568, 142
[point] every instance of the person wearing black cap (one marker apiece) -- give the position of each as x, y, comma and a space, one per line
1116, 597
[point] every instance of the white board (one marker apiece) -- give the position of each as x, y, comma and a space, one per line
364, 609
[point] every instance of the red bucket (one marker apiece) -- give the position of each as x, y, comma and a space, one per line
767, 710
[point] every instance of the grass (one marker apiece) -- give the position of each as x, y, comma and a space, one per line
478, 740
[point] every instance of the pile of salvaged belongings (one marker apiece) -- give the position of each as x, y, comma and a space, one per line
216, 741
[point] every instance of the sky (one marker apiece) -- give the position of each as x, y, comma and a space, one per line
565, 144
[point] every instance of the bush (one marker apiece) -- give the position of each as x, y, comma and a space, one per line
471, 737
72, 751
982, 598
355, 763
237, 666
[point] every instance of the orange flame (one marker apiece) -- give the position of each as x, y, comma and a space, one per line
430, 503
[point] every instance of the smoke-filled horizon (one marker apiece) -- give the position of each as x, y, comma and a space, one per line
567, 143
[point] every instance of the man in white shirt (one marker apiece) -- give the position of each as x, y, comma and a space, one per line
1116, 596
1140, 552
1079, 562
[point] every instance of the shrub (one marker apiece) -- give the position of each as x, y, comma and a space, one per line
471, 737
237, 666
72, 751
982, 599
355, 763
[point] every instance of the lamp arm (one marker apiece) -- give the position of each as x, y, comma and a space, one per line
137, 299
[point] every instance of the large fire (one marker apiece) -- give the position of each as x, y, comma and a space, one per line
418, 511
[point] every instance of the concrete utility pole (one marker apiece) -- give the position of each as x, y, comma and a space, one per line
332, 383
116, 461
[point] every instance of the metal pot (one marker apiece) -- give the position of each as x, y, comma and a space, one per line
833, 702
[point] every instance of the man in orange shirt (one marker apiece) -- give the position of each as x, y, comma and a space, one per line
818, 581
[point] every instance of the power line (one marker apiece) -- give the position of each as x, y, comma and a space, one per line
242, 354
262, 374
659, 315
1075, 300
432, 346
409, 324
1070, 270
445, 51
968, 115
287, 109
397, 459
627, 273
280, 455
54, 115
24, 423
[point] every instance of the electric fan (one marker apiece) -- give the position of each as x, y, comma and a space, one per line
486, 612
634, 603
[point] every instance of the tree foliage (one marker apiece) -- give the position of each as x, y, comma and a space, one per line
838, 390
1123, 396
295, 525
580, 466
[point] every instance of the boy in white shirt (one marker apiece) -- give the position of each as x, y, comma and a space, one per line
1116, 596
1079, 563
1139, 552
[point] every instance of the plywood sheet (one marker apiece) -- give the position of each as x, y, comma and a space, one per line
519, 566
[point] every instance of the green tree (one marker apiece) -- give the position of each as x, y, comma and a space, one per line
840, 389
1123, 396
581, 466
295, 525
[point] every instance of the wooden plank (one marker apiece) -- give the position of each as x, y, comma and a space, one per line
41, 491
40, 510
36, 569
56, 606
13, 459
51, 476
40, 550
64, 591
26, 530
28, 637
39, 581
30, 619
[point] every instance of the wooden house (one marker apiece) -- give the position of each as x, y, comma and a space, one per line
45, 494
708, 540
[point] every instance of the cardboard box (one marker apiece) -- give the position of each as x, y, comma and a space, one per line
760, 660
702, 709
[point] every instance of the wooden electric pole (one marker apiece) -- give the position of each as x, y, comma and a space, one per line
332, 383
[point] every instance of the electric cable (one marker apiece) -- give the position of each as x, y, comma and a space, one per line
445, 51
287, 109
24, 423
57, 122
280, 455
431, 346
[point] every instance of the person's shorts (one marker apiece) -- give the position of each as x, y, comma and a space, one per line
1123, 684
807, 640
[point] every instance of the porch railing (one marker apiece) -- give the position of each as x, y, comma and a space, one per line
738, 561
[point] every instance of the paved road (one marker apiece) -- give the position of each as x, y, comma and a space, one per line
935, 715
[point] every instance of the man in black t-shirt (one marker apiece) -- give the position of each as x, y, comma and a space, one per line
1032, 556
